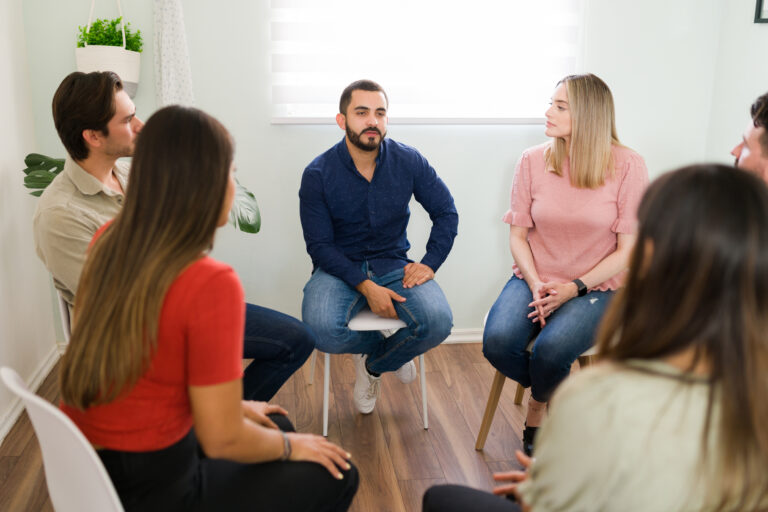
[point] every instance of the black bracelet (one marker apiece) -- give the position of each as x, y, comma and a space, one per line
286, 446
582, 288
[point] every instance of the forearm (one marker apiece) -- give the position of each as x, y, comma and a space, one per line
606, 269
441, 238
612, 264
521, 252
249, 443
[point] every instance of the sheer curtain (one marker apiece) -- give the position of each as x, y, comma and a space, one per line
173, 77
493, 61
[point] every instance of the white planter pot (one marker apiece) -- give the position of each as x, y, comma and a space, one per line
125, 63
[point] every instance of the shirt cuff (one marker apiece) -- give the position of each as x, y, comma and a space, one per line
523, 220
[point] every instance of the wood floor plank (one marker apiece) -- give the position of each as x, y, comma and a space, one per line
26, 483
413, 492
410, 449
363, 436
451, 438
470, 390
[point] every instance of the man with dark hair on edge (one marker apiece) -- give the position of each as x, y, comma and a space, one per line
354, 211
752, 152
97, 123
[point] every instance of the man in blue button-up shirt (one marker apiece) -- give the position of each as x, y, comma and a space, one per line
354, 212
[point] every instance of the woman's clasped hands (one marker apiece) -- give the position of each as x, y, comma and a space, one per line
549, 296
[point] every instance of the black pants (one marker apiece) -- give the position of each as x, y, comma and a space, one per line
182, 478
457, 498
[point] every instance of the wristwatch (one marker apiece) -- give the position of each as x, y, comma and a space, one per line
582, 288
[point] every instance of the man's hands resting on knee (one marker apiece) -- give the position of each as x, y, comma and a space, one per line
379, 298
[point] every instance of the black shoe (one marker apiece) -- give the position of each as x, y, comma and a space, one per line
529, 433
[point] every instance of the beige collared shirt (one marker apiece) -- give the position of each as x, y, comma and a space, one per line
70, 211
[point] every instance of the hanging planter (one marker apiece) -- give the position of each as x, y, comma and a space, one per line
101, 47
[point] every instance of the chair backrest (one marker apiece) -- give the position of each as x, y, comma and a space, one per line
66, 324
77, 480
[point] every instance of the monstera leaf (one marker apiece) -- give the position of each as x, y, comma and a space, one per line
42, 169
244, 214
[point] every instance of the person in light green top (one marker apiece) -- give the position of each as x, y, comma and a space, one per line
675, 417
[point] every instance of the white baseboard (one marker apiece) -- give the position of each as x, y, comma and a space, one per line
465, 336
33, 383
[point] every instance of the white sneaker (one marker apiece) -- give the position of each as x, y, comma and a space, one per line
407, 372
367, 387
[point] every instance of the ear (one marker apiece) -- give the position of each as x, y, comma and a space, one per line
341, 120
92, 138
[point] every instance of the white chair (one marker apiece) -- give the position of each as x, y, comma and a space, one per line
585, 359
66, 323
76, 478
366, 320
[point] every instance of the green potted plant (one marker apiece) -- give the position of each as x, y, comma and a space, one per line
41, 170
101, 46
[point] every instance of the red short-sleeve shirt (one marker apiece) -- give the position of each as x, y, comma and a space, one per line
200, 343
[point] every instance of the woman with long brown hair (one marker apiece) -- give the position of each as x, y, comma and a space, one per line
157, 344
674, 418
572, 223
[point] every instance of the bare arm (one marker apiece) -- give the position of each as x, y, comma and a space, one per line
225, 432
521, 252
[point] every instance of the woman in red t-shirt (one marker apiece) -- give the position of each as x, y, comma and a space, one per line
152, 375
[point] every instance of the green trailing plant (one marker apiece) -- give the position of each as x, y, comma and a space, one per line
107, 33
41, 170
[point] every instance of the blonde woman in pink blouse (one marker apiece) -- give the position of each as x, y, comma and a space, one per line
572, 223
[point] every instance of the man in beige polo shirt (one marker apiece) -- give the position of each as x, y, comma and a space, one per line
97, 123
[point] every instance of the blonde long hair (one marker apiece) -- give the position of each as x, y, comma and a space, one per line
179, 178
593, 133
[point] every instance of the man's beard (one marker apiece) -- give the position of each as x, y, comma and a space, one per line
357, 139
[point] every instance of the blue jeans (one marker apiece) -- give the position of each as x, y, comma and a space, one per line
278, 344
329, 304
568, 332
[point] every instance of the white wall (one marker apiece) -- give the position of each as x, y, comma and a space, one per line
683, 74
740, 77
27, 340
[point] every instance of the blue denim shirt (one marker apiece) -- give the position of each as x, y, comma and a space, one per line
348, 220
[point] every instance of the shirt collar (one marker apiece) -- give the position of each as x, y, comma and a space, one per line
87, 184
347, 158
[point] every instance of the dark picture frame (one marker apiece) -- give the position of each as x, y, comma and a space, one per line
761, 11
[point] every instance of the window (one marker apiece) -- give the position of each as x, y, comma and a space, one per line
484, 61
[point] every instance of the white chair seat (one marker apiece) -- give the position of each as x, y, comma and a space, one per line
366, 320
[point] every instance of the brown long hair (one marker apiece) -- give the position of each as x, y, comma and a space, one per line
177, 188
593, 132
699, 279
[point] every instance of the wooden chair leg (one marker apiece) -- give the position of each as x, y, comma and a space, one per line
490, 409
519, 392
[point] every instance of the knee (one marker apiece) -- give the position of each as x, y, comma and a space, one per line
549, 354
304, 341
436, 323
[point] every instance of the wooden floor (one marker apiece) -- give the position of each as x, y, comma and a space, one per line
397, 459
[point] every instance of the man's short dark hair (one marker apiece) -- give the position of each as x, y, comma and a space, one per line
359, 85
759, 113
84, 101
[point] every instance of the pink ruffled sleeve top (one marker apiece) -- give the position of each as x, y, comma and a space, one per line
572, 229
